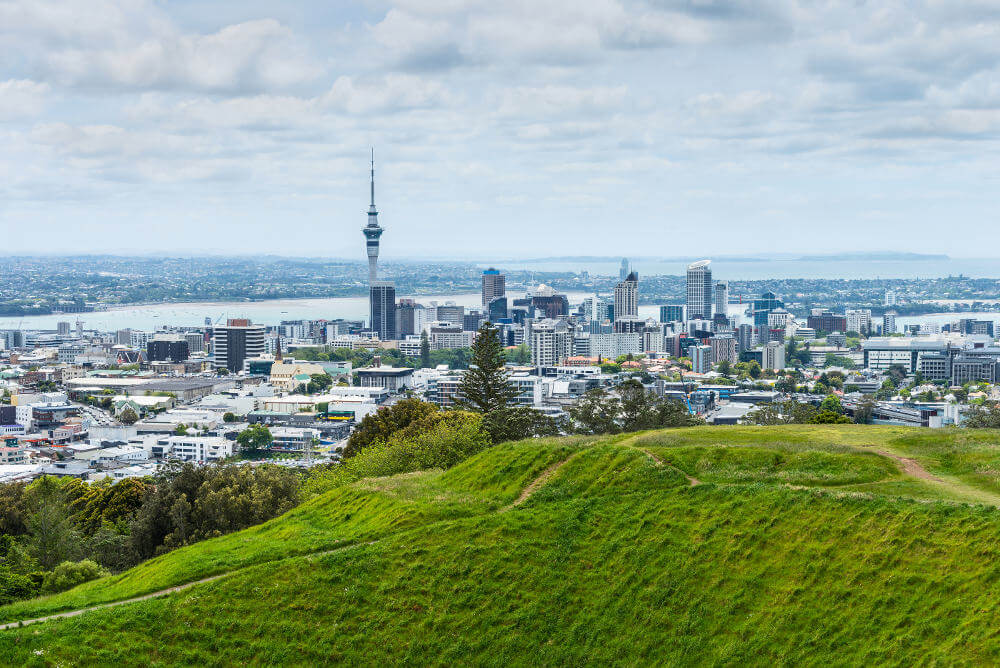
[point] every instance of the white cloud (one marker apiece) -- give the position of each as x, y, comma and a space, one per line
22, 98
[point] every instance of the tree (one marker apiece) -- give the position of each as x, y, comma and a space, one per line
785, 384
255, 438
725, 368
52, 538
596, 413
516, 423
897, 372
318, 383
181, 429
519, 355
832, 403
229, 417
190, 503
864, 411
638, 407
783, 412
753, 369
635, 409
128, 416
425, 350
485, 386
830, 417
984, 416
384, 422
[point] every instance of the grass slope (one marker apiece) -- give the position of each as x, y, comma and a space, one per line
776, 556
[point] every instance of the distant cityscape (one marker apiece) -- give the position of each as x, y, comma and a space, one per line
118, 402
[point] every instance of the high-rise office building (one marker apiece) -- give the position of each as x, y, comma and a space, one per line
235, 342
450, 312
624, 270
699, 290
383, 310
494, 285
627, 298
672, 313
411, 318
63, 328
722, 298
763, 305
497, 309
164, 347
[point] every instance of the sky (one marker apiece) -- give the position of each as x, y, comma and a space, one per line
501, 129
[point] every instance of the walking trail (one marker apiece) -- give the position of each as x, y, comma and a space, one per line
630, 443
526, 493
158, 594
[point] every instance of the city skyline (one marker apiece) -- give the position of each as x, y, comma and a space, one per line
206, 129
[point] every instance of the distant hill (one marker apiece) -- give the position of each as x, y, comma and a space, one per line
736, 545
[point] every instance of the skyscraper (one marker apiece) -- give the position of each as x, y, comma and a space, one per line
624, 270
672, 313
722, 298
372, 231
627, 298
383, 310
699, 290
494, 285
235, 342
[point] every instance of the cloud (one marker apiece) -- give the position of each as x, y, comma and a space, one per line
385, 94
22, 98
132, 45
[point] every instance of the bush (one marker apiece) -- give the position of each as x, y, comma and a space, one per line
69, 574
386, 421
14, 587
440, 441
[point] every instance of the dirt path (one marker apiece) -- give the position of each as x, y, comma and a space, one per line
144, 597
692, 481
911, 467
535, 484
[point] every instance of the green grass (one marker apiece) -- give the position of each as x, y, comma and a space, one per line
799, 547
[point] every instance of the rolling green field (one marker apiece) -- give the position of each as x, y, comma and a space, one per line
798, 544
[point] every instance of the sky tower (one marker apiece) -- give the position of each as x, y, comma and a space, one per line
372, 231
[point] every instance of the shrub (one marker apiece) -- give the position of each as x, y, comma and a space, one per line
69, 574
441, 440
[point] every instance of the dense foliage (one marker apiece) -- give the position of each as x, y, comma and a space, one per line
632, 408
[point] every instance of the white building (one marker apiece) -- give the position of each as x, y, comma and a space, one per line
859, 320
774, 356
198, 448
551, 342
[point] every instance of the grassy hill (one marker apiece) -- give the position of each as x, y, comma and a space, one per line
805, 544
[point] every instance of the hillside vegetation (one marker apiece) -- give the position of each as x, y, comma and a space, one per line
797, 544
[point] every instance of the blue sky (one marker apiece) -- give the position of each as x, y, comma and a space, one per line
519, 128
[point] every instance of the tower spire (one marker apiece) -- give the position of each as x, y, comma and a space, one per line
372, 231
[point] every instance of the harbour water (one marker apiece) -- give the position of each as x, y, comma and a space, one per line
194, 314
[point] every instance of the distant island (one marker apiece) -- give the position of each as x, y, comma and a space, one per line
900, 257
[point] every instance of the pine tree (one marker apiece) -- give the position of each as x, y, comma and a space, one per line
484, 386
425, 351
